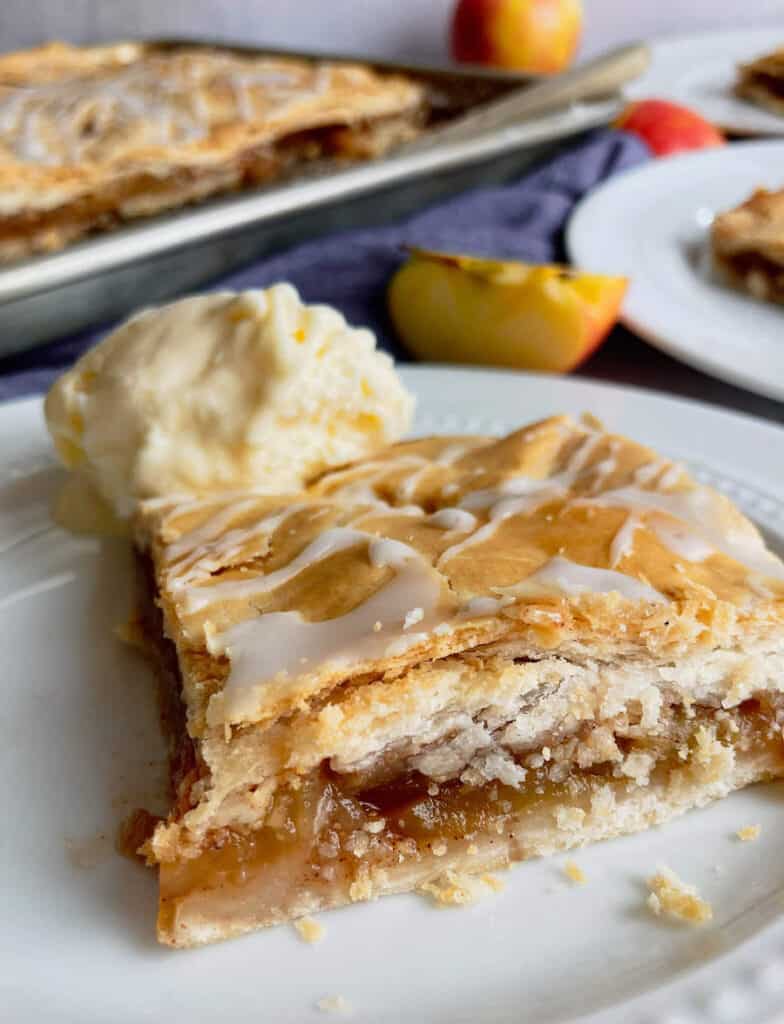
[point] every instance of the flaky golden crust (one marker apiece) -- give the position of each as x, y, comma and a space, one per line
548, 501
91, 134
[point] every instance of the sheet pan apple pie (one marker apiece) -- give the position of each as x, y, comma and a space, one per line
454, 654
93, 136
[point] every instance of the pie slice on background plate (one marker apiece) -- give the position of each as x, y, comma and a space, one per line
762, 81
460, 653
748, 245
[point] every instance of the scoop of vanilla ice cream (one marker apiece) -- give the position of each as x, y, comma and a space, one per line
224, 391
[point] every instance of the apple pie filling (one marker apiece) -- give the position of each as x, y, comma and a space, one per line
328, 832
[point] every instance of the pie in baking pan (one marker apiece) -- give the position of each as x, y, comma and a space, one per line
458, 653
91, 137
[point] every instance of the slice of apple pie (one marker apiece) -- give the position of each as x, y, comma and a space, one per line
459, 653
748, 245
762, 81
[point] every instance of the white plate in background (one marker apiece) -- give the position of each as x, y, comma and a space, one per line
652, 224
80, 746
700, 71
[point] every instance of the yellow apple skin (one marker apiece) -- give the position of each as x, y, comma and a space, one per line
533, 36
462, 309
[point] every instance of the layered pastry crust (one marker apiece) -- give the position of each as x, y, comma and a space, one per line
459, 653
93, 136
762, 81
748, 245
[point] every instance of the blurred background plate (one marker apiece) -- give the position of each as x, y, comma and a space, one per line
699, 71
653, 224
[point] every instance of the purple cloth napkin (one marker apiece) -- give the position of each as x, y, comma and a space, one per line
350, 270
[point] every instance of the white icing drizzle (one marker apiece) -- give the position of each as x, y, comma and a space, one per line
623, 541
453, 520
451, 454
362, 491
670, 476
682, 542
408, 487
698, 509
536, 491
540, 491
503, 509
586, 449
156, 100
669, 473
327, 543
193, 542
284, 643
561, 576
214, 547
648, 472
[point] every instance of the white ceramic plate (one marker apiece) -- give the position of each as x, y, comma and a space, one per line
652, 224
80, 746
700, 70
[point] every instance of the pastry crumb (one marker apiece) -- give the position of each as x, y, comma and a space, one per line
452, 889
334, 1004
670, 895
574, 872
310, 930
455, 889
492, 882
749, 833
472, 850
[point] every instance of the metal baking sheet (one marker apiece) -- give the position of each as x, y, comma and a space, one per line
143, 263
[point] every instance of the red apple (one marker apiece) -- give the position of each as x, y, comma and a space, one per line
669, 128
536, 36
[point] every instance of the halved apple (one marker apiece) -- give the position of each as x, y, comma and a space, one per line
463, 309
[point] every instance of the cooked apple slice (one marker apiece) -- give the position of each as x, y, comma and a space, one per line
462, 309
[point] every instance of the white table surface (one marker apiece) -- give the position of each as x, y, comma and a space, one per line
411, 28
